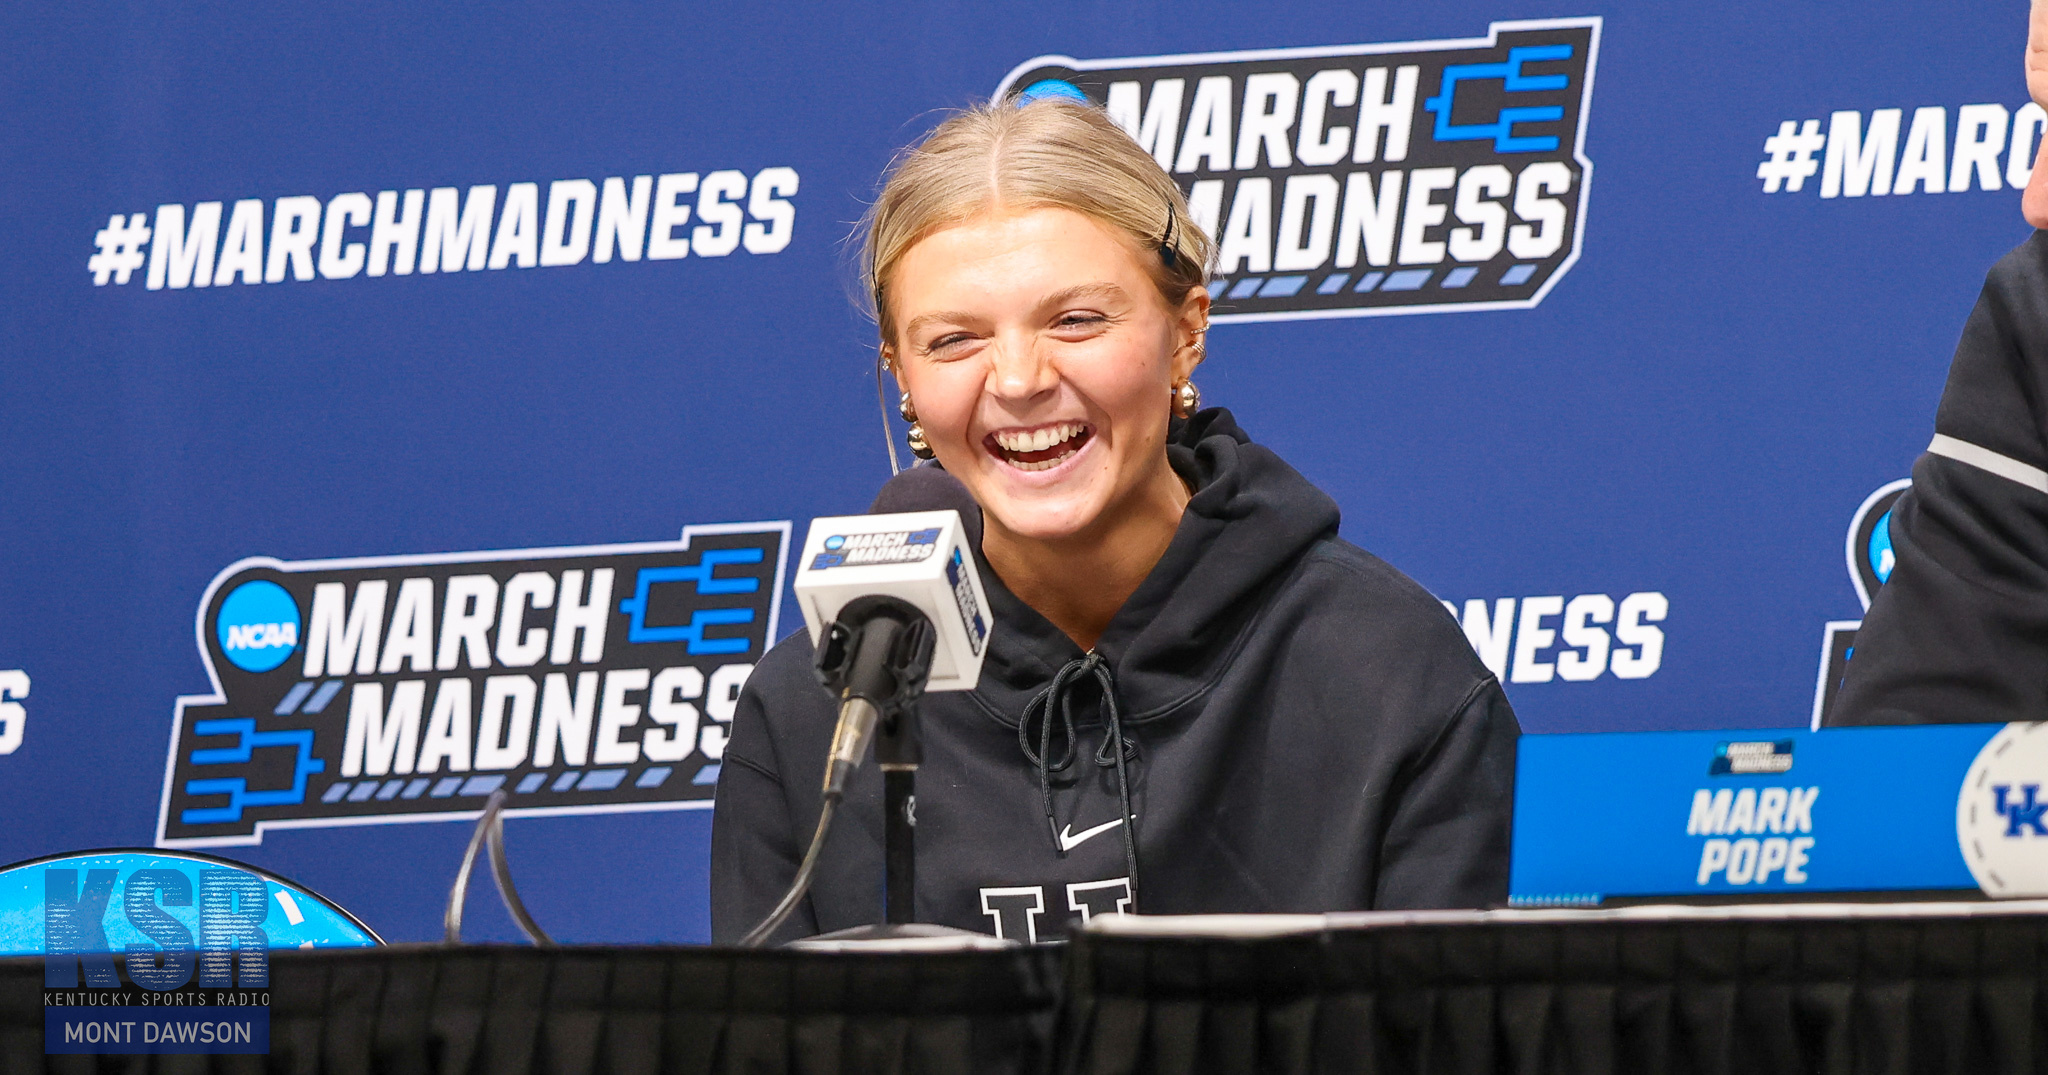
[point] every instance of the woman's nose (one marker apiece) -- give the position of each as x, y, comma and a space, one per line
1019, 369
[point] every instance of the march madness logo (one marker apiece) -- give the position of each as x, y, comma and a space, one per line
1367, 179
888, 547
581, 680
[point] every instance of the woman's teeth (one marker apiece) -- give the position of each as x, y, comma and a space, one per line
1040, 449
1038, 440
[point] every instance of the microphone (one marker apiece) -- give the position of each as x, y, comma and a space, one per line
894, 606
876, 657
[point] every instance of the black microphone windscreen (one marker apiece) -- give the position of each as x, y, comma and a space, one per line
929, 488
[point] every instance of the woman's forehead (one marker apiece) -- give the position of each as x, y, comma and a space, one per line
1012, 254
1022, 228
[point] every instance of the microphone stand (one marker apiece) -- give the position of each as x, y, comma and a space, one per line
875, 657
899, 751
884, 662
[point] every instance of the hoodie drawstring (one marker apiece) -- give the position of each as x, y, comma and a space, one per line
1116, 751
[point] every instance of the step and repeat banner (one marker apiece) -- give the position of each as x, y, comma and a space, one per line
401, 405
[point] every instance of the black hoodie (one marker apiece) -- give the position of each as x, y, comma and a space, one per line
1306, 730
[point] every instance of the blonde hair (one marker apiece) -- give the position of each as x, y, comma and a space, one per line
1048, 153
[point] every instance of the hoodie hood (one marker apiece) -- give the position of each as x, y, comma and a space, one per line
1248, 523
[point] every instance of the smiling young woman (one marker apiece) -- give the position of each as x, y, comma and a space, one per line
1185, 653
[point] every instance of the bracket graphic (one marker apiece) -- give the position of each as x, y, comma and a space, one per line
1501, 130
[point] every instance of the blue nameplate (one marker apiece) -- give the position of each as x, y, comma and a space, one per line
1777, 811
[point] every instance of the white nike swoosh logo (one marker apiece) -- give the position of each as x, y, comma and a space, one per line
1069, 839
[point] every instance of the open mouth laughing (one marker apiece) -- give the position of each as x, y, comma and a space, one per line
1040, 448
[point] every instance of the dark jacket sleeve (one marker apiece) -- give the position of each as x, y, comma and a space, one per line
1959, 633
754, 846
1447, 842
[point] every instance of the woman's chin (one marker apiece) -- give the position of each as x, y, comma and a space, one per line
1047, 515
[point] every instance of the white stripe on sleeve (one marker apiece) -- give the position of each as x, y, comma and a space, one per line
1985, 459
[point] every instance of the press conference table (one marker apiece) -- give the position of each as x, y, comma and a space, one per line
1929, 987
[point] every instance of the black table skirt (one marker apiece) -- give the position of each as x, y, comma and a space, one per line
1877, 995
1952, 995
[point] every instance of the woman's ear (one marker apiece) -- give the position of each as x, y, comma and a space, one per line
1192, 329
887, 357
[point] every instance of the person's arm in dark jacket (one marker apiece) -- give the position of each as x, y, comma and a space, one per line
1959, 632
1447, 844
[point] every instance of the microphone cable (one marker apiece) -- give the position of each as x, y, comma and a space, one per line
857, 720
801, 886
490, 833
876, 657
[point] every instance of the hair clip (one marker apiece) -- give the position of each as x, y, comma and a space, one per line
1166, 251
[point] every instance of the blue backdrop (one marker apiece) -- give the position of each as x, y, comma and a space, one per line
1695, 410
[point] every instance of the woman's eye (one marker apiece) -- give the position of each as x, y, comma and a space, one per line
1080, 320
946, 341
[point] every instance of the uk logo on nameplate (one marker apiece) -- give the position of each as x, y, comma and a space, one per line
2002, 815
1344, 181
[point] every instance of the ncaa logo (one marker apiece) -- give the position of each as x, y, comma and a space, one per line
258, 626
2002, 816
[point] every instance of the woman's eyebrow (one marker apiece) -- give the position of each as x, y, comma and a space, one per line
1067, 295
950, 317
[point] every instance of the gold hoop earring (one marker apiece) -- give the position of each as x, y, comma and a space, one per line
919, 447
1187, 399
